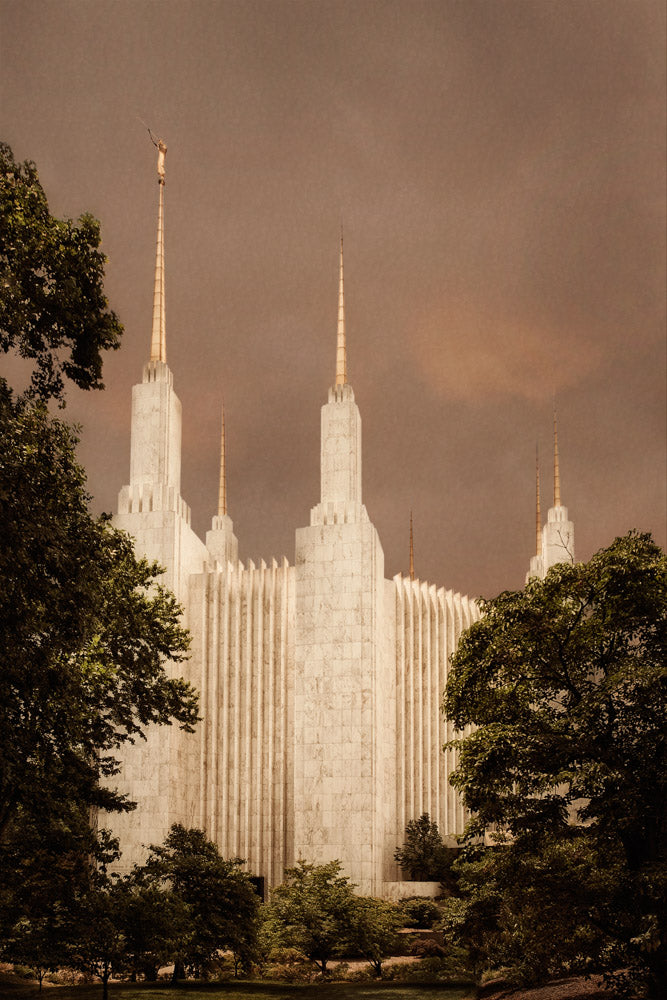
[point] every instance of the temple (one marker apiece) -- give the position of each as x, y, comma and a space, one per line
320, 681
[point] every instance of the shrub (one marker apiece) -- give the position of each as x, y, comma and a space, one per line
452, 967
421, 913
427, 948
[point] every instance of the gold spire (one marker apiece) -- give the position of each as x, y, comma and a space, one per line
341, 353
158, 336
222, 493
412, 552
538, 515
556, 463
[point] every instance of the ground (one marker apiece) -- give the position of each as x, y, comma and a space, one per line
575, 988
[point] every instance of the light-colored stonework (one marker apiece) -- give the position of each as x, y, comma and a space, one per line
555, 539
320, 682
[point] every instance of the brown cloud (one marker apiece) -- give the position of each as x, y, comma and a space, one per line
468, 354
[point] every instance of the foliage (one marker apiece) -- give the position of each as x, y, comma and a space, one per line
52, 309
289, 965
84, 628
528, 911
566, 683
419, 912
47, 864
312, 911
427, 948
99, 941
423, 854
451, 968
154, 920
222, 904
374, 930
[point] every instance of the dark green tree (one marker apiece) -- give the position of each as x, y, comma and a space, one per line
423, 855
53, 310
566, 682
85, 630
99, 943
221, 900
530, 911
155, 921
312, 911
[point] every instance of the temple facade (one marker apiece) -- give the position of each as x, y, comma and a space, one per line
320, 680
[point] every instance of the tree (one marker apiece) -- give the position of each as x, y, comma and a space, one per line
423, 854
52, 308
222, 903
47, 863
154, 921
85, 630
533, 912
374, 928
567, 686
312, 911
99, 946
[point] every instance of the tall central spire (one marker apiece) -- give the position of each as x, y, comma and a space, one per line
158, 336
222, 493
538, 514
556, 464
341, 353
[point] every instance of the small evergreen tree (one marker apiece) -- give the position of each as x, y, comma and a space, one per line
423, 854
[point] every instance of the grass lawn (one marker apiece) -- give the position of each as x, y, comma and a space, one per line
244, 991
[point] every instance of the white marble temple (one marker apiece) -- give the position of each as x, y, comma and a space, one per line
320, 682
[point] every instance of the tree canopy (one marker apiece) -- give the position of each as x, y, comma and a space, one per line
53, 310
85, 629
220, 898
312, 910
566, 682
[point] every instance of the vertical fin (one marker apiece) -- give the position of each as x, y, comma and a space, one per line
412, 551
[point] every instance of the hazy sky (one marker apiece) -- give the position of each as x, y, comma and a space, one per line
499, 168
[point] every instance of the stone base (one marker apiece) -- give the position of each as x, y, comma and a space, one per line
394, 891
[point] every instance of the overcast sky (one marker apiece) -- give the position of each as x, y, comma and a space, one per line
499, 169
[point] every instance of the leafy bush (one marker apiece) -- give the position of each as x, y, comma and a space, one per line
289, 965
69, 977
452, 967
421, 913
427, 948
